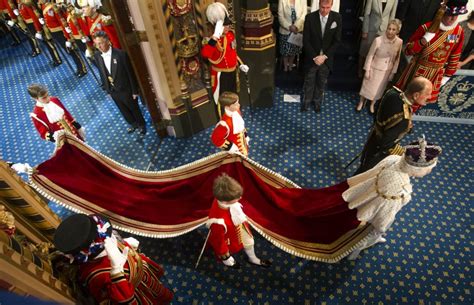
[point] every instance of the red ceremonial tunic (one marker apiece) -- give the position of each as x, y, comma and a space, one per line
139, 284
222, 56
227, 239
52, 20
4, 7
45, 128
101, 23
74, 30
27, 13
436, 59
223, 135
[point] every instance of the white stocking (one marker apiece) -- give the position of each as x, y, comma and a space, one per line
250, 251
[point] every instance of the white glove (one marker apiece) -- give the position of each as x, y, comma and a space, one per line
39, 36
428, 36
133, 242
117, 259
10, 23
247, 139
219, 29
68, 44
55, 136
41, 20
84, 39
16, 12
234, 149
444, 80
244, 68
229, 262
21, 167
82, 132
88, 53
68, 30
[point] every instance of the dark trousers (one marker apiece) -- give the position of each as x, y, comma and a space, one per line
31, 38
129, 108
371, 155
53, 52
228, 82
73, 53
315, 80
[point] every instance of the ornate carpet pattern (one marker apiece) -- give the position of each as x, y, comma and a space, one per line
426, 260
455, 103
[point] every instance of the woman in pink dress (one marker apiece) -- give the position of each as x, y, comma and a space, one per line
381, 64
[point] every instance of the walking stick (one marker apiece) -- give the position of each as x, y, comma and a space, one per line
353, 160
202, 250
247, 83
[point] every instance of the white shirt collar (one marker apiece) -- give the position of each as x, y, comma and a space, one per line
108, 53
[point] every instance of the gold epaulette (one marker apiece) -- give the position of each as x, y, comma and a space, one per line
406, 111
397, 150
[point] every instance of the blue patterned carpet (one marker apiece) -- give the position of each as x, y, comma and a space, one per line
426, 260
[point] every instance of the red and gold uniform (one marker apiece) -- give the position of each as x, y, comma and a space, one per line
138, 284
225, 136
101, 23
222, 55
28, 14
225, 237
52, 20
436, 59
72, 21
6, 9
46, 128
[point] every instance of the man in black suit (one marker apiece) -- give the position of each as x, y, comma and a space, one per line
119, 81
322, 34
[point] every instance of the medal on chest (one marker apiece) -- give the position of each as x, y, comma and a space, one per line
452, 38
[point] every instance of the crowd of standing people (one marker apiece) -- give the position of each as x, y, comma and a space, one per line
436, 49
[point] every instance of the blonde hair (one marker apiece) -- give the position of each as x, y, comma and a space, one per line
228, 98
396, 22
226, 188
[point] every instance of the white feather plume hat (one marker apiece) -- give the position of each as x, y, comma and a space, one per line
216, 11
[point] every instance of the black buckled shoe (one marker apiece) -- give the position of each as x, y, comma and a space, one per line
264, 263
80, 74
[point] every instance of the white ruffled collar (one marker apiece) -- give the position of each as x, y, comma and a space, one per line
53, 112
445, 28
236, 213
237, 121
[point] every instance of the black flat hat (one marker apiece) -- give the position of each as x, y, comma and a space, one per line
75, 233
456, 7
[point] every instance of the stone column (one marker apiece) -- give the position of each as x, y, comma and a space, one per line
257, 50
